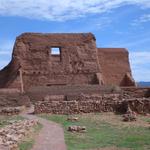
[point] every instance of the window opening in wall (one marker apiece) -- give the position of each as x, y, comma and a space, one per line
55, 54
55, 50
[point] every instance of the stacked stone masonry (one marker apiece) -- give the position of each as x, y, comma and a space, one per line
76, 99
84, 103
9, 111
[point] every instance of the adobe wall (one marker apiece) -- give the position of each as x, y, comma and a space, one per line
115, 66
39, 92
77, 64
9, 76
13, 98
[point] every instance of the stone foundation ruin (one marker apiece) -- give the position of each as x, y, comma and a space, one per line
67, 74
89, 99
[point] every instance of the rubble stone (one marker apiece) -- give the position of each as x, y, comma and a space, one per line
11, 110
74, 128
12, 134
130, 117
72, 119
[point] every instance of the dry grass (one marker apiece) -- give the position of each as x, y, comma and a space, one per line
116, 120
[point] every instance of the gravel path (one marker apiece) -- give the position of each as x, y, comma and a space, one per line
51, 136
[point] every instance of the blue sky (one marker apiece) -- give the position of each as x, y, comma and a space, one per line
115, 23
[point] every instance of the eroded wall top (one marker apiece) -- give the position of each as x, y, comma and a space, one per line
115, 66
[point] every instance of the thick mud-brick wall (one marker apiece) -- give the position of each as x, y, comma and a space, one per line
79, 62
76, 64
115, 66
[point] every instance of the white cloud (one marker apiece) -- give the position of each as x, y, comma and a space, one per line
139, 58
62, 9
142, 19
145, 18
140, 63
132, 41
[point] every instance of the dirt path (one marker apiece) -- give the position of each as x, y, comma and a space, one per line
51, 136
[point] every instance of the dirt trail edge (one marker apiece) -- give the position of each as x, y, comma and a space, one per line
51, 136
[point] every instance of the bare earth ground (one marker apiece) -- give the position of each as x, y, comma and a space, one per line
51, 136
3, 148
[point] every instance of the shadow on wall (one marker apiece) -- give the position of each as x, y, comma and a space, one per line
147, 94
127, 80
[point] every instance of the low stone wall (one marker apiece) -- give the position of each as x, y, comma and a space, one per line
94, 99
76, 104
9, 111
84, 103
137, 92
138, 105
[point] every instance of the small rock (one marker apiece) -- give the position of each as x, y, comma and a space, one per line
72, 119
77, 128
130, 117
11, 135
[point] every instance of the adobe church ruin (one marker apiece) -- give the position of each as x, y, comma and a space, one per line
78, 61
78, 79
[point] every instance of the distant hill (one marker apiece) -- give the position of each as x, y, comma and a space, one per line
144, 84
